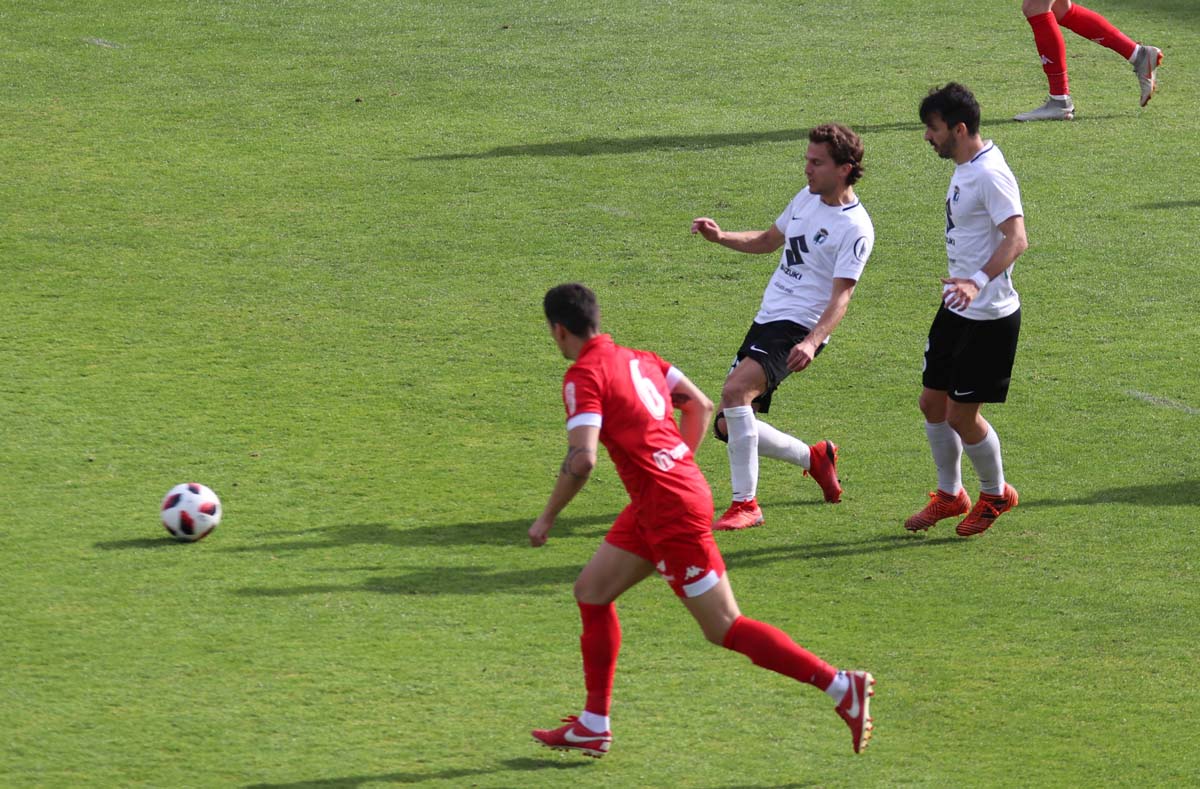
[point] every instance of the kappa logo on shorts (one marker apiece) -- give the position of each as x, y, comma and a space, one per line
692, 572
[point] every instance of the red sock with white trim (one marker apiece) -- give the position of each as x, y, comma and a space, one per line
1094, 27
599, 642
1048, 38
771, 648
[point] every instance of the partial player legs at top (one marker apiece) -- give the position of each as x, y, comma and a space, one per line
1046, 18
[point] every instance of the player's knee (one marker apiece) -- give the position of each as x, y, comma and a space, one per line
1035, 7
932, 406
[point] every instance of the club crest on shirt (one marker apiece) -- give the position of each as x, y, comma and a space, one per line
954, 198
569, 396
821, 235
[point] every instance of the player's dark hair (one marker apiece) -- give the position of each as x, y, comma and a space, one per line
955, 104
574, 306
845, 147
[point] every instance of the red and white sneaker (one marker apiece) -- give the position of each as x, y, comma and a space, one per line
574, 737
823, 458
855, 708
986, 510
740, 515
941, 505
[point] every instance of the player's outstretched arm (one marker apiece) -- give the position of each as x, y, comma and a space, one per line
755, 242
805, 351
576, 467
695, 409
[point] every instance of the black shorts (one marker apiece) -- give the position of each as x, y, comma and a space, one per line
769, 344
971, 360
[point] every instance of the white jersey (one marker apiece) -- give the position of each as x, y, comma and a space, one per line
821, 242
983, 193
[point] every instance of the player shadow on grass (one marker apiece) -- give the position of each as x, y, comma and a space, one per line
1171, 205
1181, 493
487, 579
527, 765
595, 146
435, 535
350, 781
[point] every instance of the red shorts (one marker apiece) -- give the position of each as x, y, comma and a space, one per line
681, 548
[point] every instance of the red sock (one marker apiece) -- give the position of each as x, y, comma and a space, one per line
773, 649
1094, 27
600, 642
1050, 45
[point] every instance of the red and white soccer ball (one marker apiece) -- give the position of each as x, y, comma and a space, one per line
190, 511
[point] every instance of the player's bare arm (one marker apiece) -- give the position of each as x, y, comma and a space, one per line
695, 409
573, 474
805, 351
754, 242
961, 291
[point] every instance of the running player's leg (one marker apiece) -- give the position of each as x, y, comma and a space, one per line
716, 611
611, 571
1095, 27
746, 381
1052, 50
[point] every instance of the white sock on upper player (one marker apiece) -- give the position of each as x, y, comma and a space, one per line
774, 443
837, 689
985, 457
594, 722
947, 455
743, 451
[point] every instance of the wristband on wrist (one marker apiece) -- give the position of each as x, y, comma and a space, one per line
980, 279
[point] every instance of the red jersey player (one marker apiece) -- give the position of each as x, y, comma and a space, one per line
623, 398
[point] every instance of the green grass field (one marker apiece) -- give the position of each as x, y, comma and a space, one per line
296, 251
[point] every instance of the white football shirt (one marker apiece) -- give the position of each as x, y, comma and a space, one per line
983, 193
821, 242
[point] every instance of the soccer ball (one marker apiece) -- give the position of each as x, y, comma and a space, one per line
190, 511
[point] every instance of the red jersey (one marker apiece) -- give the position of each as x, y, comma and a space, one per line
625, 393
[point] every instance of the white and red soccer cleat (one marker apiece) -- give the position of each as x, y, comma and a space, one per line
855, 708
574, 737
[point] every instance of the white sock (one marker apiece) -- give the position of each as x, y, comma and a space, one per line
947, 455
743, 451
985, 457
1136, 51
594, 722
837, 689
774, 443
